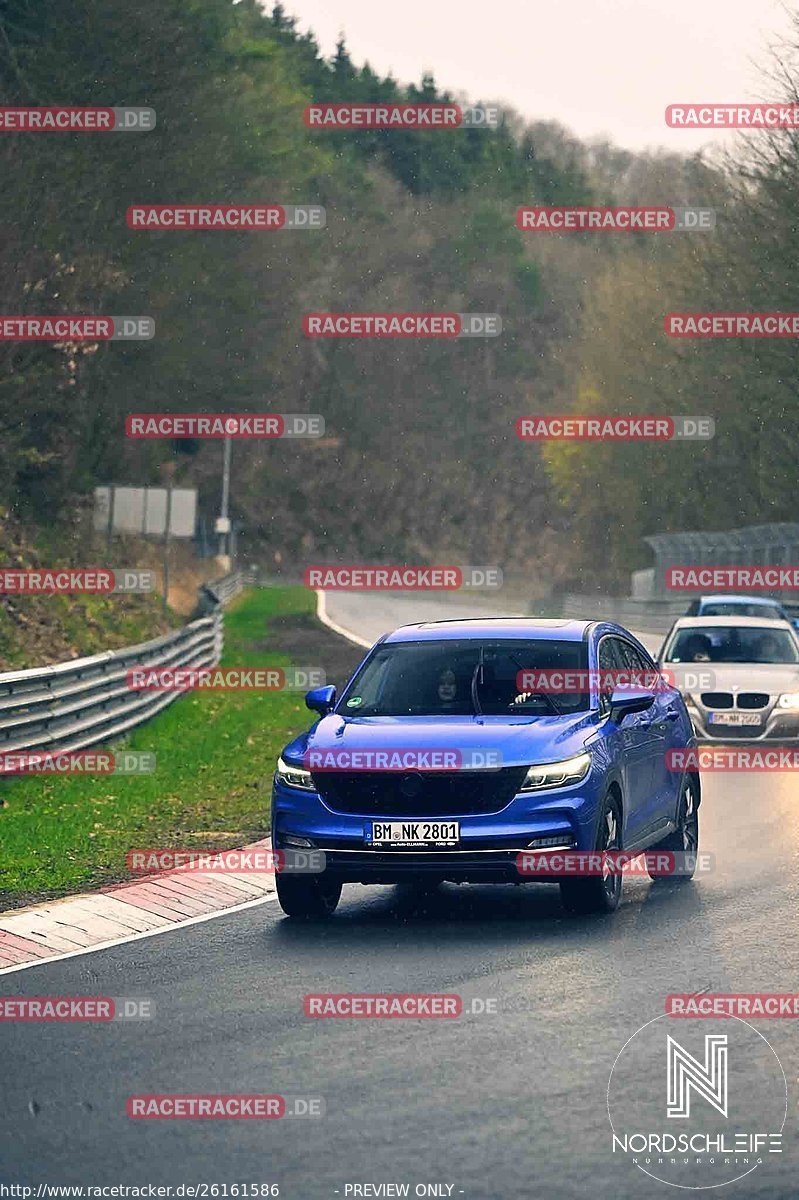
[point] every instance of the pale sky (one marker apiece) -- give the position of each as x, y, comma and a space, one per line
600, 67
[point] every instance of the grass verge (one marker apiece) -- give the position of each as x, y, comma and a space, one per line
215, 758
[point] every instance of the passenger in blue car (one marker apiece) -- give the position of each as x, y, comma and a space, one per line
447, 688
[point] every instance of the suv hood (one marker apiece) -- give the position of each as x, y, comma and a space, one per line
514, 741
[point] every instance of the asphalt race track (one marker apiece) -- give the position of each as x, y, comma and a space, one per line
510, 1103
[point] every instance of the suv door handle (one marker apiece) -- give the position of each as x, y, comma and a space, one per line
671, 714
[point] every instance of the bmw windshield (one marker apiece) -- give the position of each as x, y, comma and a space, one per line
732, 644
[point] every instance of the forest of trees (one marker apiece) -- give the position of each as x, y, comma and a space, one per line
422, 462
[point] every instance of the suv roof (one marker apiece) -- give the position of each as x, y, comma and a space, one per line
476, 627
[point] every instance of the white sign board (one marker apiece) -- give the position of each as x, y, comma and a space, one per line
143, 510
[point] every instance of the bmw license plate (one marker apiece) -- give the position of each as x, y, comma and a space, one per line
734, 718
412, 835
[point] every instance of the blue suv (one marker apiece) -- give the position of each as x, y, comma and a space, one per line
446, 757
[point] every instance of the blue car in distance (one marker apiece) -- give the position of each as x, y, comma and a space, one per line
453, 749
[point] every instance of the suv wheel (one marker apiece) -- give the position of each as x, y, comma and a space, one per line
598, 893
308, 897
685, 838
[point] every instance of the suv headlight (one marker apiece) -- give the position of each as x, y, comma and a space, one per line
296, 777
789, 700
556, 774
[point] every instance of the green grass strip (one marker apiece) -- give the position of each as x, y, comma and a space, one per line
211, 790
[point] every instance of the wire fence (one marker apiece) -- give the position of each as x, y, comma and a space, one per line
775, 545
652, 607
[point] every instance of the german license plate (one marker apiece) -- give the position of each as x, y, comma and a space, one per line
734, 718
412, 835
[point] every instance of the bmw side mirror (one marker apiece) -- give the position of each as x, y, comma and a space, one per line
321, 700
626, 700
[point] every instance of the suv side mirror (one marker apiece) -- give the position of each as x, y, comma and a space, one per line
321, 700
626, 700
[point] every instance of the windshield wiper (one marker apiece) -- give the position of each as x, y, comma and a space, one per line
478, 712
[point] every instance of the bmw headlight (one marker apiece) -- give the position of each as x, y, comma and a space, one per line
296, 777
557, 774
789, 700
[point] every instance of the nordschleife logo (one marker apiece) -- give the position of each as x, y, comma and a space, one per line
701, 1111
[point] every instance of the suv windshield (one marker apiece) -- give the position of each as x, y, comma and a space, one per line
731, 644
444, 678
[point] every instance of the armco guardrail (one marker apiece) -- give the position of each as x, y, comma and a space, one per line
75, 704
230, 585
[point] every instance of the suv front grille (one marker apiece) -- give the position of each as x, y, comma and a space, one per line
419, 793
